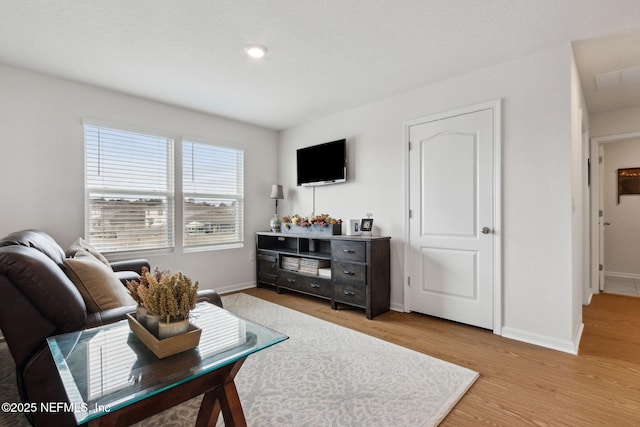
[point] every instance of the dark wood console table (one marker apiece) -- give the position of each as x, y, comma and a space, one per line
357, 268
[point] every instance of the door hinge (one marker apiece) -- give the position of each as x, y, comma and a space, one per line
409, 145
601, 267
410, 214
600, 213
600, 159
408, 280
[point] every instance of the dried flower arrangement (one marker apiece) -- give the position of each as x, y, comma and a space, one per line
134, 285
171, 296
322, 220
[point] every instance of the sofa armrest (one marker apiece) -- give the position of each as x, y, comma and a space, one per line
126, 275
106, 317
131, 265
210, 296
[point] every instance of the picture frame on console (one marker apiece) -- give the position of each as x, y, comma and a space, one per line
354, 227
366, 225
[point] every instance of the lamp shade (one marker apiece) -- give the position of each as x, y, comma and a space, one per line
276, 192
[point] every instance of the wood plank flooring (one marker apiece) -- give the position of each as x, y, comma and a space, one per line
519, 384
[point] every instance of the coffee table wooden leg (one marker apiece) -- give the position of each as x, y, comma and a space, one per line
209, 410
223, 398
231, 406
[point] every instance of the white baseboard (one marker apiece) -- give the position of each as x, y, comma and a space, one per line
589, 297
397, 307
578, 337
236, 287
544, 341
622, 275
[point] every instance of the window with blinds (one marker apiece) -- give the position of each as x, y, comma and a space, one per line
130, 193
213, 191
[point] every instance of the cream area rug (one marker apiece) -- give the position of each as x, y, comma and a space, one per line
327, 375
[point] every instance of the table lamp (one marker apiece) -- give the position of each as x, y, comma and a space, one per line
276, 193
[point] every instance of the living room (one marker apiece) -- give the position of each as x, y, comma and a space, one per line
542, 269
538, 85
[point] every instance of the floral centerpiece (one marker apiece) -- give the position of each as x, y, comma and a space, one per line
313, 224
168, 299
134, 286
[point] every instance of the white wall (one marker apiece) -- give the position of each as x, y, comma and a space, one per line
537, 182
580, 206
614, 122
621, 254
42, 164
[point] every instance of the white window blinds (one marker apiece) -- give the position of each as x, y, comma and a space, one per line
213, 190
130, 194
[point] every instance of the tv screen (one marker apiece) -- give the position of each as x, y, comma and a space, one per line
323, 164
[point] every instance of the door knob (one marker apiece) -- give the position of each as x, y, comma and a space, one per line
485, 230
607, 223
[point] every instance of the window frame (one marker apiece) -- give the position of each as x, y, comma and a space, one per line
175, 194
238, 197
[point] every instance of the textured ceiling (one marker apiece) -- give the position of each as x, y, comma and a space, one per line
324, 56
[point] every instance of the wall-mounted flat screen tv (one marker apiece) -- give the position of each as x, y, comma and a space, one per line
323, 164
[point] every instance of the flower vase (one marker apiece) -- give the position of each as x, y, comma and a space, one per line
170, 329
152, 323
275, 224
141, 315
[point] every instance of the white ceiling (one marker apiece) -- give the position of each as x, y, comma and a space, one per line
603, 56
324, 56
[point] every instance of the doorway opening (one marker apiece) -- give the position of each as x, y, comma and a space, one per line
615, 228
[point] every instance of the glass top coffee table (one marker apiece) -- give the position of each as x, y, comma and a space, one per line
112, 378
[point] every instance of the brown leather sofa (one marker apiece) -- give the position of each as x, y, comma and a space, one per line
38, 300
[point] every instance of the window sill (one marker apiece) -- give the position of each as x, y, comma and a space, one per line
208, 248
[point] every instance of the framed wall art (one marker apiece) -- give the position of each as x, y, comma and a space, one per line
628, 182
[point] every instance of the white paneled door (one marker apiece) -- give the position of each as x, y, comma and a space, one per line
451, 226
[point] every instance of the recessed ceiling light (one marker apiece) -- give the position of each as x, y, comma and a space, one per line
255, 50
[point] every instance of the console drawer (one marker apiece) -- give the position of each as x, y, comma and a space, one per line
350, 294
267, 267
345, 250
267, 262
267, 278
349, 272
312, 285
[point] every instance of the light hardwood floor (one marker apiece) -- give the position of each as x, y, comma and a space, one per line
519, 384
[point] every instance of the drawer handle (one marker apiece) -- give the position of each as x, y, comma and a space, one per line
350, 273
349, 251
314, 285
291, 280
349, 293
